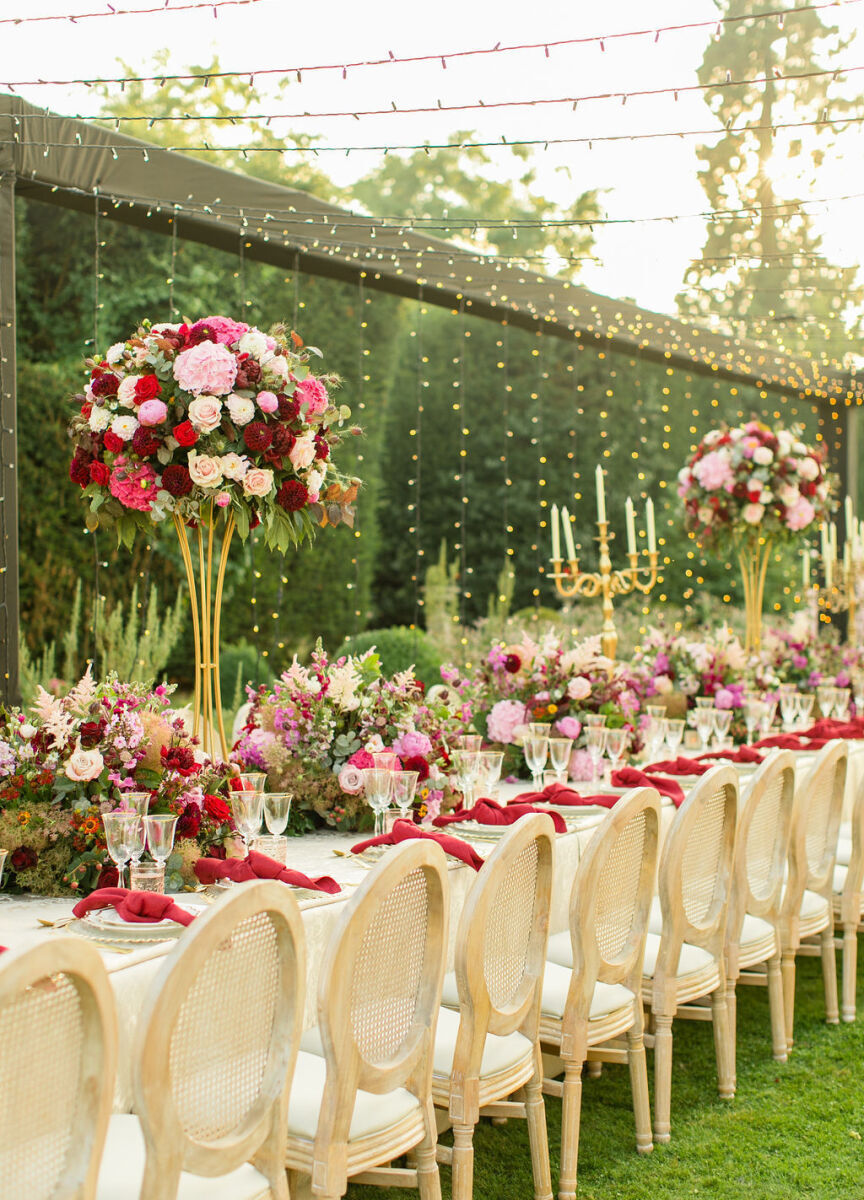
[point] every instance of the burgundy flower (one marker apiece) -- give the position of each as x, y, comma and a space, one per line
248, 373
512, 664
189, 822
217, 852
292, 495
24, 858
200, 332
322, 447
176, 480
105, 384
416, 762
79, 468
283, 440
100, 473
185, 433
108, 877
90, 733
144, 443
147, 387
289, 410
180, 759
113, 444
217, 808
258, 436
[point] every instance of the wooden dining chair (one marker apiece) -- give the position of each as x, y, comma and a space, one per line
214, 1054
487, 1045
58, 1046
807, 925
684, 962
592, 981
848, 904
362, 1090
753, 937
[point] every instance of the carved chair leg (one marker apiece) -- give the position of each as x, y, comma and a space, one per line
535, 1112
788, 968
570, 1118
723, 1045
732, 1020
662, 1076
776, 1009
850, 970
428, 1177
463, 1162
829, 974
639, 1087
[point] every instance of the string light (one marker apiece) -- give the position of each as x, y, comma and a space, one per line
414, 510
210, 5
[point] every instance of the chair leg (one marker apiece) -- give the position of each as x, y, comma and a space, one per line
662, 1076
570, 1118
850, 970
775, 1007
535, 1112
428, 1177
463, 1162
732, 1021
829, 975
723, 1049
639, 1088
788, 969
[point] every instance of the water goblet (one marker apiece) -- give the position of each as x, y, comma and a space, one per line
655, 735
842, 700
825, 699
657, 711
805, 709
704, 702
491, 762
247, 807
536, 752
160, 837
120, 831
378, 788
703, 719
766, 721
595, 744
754, 711
404, 788
595, 720
3, 854
617, 741
137, 802
135, 844
722, 723
385, 760
559, 757
469, 741
277, 809
674, 734
540, 728
466, 764
252, 781
788, 706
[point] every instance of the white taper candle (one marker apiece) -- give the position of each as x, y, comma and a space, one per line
567, 521
649, 520
631, 526
601, 494
556, 534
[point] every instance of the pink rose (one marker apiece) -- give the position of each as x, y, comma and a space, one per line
753, 513
313, 394
351, 779
258, 481
223, 500
204, 470
800, 514
207, 367
268, 402
84, 765
504, 719
152, 412
568, 727
126, 391
579, 688
205, 413
302, 453
713, 470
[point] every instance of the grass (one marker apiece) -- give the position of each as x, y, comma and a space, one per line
793, 1130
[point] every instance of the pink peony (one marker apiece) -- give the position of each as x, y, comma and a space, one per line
411, 743
313, 394
207, 367
580, 768
225, 330
362, 759
723, 698
504, 719
800, 514
568, 727
152, 412
753, 513
268, 402
134, 485
713, 470
351, 779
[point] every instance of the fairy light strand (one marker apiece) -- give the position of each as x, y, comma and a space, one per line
415, 515
74, 18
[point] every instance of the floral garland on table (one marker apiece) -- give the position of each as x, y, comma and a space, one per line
179, 418
70, 759
316, 727
546, 681
754, 478
800, 657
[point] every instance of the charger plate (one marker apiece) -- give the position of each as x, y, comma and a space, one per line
106, 925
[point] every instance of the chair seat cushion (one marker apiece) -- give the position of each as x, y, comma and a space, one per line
607, 997
691, 959
499, 1053
372, 1113
754, 929
813, 905
122, 1171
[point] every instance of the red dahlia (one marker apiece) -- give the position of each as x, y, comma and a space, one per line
292, 495
322, 447
105, 384
283, 440
112, 442
258, 436
289, 410
144, 443
177, 480
79, 468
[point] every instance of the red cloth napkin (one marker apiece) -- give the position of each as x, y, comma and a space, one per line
490, 812
744, 754
787, 741
554, 793
404, 831
260, 866
829, 728
679, 766
134, 906
629, 777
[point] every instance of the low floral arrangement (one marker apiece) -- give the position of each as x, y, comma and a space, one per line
546, 681
316, 727
754, 478
798, 656
179, 418
72, 758
670, 662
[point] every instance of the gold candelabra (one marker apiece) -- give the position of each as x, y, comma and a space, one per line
841, 595
606, 583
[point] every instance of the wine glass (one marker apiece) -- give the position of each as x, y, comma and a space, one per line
385, 760
616, 745
536, 752
491, 762
135, 844
788, 706
247, 807
595, 720
754, 711
466, 764
404, 788
657, 711
674, 734
137, 802
378, 788
120, 832
766, 721
540, 728
252, 781
704, 702
825, 699
805, 708
559, 756
160, 837
722, 723
469, 741
595, 743
655, 735
842, 700
703, 720
277, 809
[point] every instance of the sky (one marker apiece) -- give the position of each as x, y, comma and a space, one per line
643, 260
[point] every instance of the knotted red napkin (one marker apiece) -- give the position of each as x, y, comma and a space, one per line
629, 777
490, 812
787, 741
404, 831
830, 727
679, 766
260, 866
554, 793
134, 906
744, 754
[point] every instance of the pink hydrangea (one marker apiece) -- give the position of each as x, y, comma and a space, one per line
133, 484
713, 470
568, 727
226, 330
411, 744
581, 768
800, 514
207, 367
313, 394
505, 717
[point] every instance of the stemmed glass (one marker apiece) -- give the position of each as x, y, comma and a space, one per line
595, 743
466, 764
536, 752
122, 831
252, 781
825, 699
704, 701
137, 802
559, 757
616, 745
597, 720
703, 720
385, 760
277, 809
766, 721
656, 711
378, 788
655, 735
3, 854
491, 762
247, 807
788, 706
842, 700
469, 741
674, 734
722, 722
404, 788
160, 837
804, 704
754, 712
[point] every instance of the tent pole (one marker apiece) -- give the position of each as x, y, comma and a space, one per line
9, 614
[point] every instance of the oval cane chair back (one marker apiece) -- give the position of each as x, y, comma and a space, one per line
695, 869
501, 940
819, 805
610, 901
218, 1038
58, 1044
763, 838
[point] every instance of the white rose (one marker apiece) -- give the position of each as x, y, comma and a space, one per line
234, 466
99, 419
762, 455
787, 494
258, 481
313, 482
205, 470
254, 342
808, 468
27, 731
115, 353
302, 453
124, 427
276, 364
126, 391
241, 408
205, 413
84, 765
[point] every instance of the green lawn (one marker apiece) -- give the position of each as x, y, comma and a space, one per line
793, 1130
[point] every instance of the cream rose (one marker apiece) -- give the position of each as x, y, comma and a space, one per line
126, 391
99, 419
258, 481
302, 453
205, 470
84, 765
234, 466
205, 413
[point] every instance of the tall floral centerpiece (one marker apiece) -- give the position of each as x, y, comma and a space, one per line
215, 427
747, 488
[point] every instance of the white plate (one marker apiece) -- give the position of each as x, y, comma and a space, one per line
575, 812
107, 924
